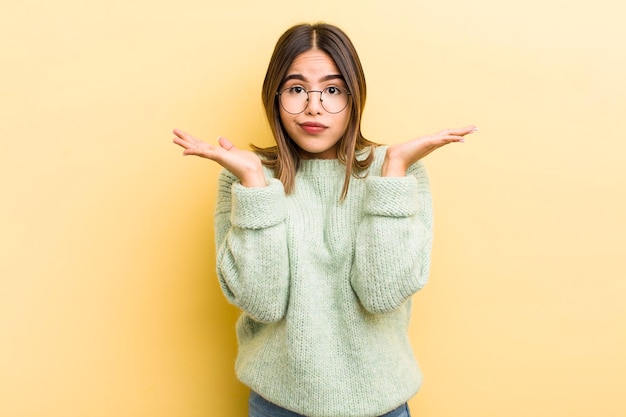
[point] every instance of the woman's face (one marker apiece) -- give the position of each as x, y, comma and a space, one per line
315, 130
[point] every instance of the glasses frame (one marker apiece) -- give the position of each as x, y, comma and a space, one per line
280, 93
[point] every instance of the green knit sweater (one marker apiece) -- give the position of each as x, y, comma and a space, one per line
324, 285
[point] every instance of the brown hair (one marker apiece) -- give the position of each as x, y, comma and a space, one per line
284, 158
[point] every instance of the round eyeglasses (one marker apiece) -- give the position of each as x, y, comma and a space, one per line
294, 100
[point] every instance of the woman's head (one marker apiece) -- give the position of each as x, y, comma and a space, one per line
292, 49
313, 105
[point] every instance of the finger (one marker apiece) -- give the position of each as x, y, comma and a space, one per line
180, 142
462, 131
185, 136
225, 143
451, 139
179, 133
182, 139
185, 143
440, 139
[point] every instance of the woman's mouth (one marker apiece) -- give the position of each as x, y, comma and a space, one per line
312, 127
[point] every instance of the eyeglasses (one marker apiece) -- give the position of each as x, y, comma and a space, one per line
294, 100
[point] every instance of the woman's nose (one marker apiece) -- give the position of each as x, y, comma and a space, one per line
314, 102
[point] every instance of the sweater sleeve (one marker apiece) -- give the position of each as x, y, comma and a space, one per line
251, 243
394, 240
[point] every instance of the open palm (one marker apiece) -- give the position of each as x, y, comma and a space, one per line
400, 156
245, 164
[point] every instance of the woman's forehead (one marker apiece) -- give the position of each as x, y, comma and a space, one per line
313, 64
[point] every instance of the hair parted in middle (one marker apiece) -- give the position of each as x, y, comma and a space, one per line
283, 158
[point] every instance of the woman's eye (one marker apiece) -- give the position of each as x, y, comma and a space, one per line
333, 90
296, 89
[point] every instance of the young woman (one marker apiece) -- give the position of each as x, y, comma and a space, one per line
322, 240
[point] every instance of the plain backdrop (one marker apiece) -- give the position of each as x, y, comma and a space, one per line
109, 304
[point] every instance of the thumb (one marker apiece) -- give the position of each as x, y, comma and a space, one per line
225, 143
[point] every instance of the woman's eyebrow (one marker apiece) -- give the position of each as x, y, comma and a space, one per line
303, 78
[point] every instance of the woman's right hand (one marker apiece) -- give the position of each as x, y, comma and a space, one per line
246, 165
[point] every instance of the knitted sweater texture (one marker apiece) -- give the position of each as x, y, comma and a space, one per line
325, 285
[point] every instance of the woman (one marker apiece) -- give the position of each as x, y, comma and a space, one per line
322, 240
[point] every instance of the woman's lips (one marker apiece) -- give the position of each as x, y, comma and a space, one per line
312, 127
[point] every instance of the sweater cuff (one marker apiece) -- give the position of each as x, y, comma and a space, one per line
391, 196
258, 208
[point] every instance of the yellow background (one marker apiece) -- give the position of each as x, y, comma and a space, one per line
109, 306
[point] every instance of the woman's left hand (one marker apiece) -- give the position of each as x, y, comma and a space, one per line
402, 155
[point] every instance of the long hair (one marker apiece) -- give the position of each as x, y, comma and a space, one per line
283, 158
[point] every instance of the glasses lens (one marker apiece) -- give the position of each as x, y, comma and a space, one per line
295, 99
334, 99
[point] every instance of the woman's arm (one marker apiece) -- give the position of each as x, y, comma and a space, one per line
394, 240
250, 234
251, 244
393, 244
